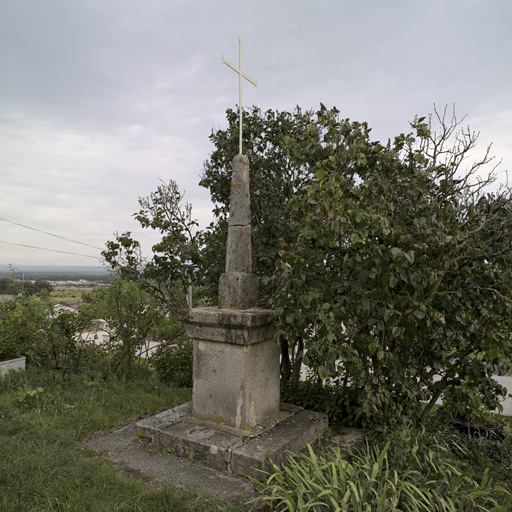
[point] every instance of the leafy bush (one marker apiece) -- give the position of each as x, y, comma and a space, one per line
465, 403
370, 481
13, 286
29, 327
336, 402
132, 317
174, 364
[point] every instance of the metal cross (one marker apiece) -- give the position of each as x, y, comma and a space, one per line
241, 75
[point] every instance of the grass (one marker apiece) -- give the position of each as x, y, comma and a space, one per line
44, 416
67, 296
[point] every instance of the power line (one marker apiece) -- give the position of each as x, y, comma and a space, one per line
50, 250
51, 234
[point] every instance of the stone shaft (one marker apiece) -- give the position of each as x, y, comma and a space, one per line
238, 287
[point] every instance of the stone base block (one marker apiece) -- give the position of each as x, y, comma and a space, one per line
182, 435
236, 385
236, 366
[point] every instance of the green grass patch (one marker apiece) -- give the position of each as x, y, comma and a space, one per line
66, 296
44, 416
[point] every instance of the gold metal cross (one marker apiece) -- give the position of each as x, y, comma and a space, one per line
241, 75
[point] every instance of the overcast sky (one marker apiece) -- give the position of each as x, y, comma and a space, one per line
101, 99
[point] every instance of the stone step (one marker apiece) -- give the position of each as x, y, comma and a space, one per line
179, 433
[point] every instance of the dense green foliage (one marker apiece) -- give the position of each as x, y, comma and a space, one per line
30, 327
412, 471
401, 270
44, 416
110, 335
335, 401
174, 363
132, 318
10, 286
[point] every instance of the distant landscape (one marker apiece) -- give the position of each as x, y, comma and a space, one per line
57, 272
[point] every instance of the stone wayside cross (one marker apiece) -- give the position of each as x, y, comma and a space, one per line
236, 361
238, 286
235, 421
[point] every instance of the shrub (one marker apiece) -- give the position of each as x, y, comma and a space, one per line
8, 351
336, 402
29, 327
174, 364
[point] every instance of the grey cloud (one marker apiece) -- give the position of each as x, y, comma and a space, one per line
99, 100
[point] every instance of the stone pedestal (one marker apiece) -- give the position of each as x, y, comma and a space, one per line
236, 368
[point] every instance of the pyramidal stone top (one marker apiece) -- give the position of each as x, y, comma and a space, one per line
238, 286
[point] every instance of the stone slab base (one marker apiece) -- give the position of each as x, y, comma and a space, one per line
177, 432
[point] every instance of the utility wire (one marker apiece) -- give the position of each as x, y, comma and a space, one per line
51, 234
50, 250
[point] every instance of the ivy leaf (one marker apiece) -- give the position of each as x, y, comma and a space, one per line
419, 314
323, 373
396, 252
320, 174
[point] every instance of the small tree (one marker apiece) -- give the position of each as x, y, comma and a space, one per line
176, 257
133, 319
29, 326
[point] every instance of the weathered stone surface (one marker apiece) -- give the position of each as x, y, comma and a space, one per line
238, 290
236, 366
238, 287
285, 410
272, 447
240, 204
151, 426
238, 336
238, 249
242, 327
236, 385
230, 452
209, 447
